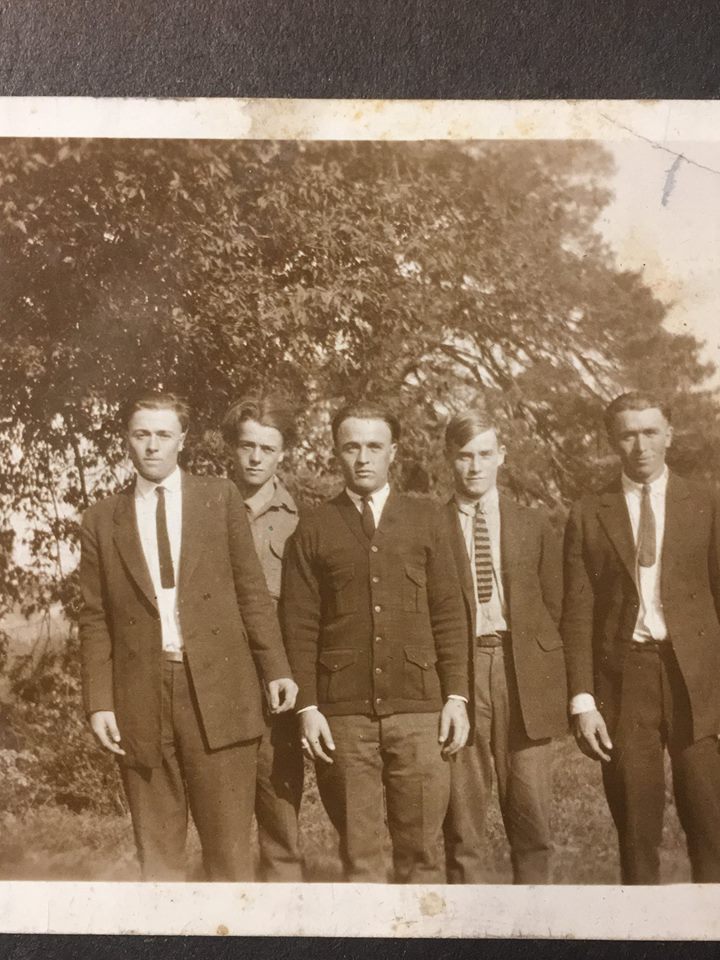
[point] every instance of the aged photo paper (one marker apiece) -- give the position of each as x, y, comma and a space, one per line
544, 254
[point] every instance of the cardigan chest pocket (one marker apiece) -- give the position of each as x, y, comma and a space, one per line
420, 679
414, 588
344, 590
336, 679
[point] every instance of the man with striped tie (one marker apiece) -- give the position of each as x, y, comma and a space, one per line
510, 569
642, 639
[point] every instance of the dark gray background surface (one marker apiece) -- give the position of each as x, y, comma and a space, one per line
367, 48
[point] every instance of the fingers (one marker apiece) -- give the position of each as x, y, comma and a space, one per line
274, 695
288, 691
591, 735
105, 728
459, 729
316, 736
444, 729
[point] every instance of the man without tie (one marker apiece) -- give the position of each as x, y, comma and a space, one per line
177, 628
375, 632
642, 641
258, 431
510, 568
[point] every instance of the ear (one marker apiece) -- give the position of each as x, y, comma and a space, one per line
668, 437
501, 455
281, 457
393, 451
182, 441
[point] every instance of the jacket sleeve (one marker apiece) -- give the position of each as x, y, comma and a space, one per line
300, 612
551, 569
253, 598
447, 613
578, 607
95, 636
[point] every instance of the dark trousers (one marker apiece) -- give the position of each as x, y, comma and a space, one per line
395, 759
654, 713
218, 785
523, 770
277, 800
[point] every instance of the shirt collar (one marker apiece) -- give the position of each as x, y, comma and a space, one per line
658, 485
378, 497
275, 497
490, 502
145, 488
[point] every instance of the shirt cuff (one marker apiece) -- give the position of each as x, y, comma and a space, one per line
457, 696
312, 706
582, 703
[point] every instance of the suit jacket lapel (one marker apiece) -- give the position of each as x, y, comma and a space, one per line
192, 537
679, 518
127, 541
511, 544
614, 517
351, 515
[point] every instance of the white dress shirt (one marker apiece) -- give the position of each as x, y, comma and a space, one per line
377, 501
650, 624
146, 502
492, 617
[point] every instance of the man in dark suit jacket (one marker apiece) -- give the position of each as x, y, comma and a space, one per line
510, 568
176, 625
374, 626
642, 639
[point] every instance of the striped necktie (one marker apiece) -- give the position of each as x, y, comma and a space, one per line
483, 556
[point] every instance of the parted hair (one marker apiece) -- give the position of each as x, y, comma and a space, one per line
268, 411
462, 427
634, 400
156, 400
366, 410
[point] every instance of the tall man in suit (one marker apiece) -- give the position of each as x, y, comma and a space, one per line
177, 628
375, 632
642, 640
510, 568
258, 430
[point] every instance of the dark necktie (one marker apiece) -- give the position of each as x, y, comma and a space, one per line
483, 557
167, 576
368, 520
646, 545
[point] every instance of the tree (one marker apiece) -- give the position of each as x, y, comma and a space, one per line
425, 274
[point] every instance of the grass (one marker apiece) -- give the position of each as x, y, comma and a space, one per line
52, 843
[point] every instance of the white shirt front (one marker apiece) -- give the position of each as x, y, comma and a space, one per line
377, 501
492, 616
651, 619
650, 623
146, 502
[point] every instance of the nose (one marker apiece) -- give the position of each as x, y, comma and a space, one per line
363, 455
152, 443
255, 456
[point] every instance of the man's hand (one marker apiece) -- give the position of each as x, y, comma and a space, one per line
105, 729
591, 734
315, 734
282, 694
454, 727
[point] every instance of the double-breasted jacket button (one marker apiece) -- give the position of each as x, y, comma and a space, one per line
374, 548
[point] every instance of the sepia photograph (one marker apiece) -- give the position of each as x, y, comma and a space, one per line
359, 510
